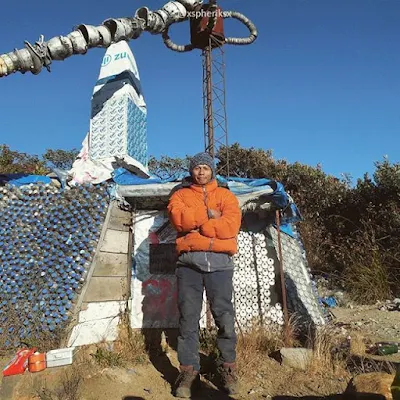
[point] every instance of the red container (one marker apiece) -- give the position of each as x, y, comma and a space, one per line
37, 362
19, 363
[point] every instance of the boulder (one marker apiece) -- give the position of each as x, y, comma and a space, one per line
375, 385
297, 358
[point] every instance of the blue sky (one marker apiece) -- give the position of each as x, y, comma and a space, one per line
320, 85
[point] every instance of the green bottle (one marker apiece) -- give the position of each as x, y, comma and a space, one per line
386, 349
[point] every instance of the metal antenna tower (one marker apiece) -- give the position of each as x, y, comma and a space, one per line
214, 102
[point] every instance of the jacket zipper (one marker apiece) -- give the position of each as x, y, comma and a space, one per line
212, 240
205, 196
206, 201
205, 253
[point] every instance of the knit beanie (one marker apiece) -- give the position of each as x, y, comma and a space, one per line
202, 159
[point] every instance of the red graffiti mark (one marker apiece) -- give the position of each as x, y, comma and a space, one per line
153, 238
160, 298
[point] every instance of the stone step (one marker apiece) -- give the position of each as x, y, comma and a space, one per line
119, 223
111, 264
117, 212
106, 289
115, 241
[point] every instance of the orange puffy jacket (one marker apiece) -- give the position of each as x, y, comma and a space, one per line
188, 212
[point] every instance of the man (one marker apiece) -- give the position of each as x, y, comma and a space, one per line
207, 219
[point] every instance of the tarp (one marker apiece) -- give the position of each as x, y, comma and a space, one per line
121, 176
118, 122
262, 192
86, 170
268, 187
23, 179
263, 189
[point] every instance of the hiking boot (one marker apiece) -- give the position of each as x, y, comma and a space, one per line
229, 378
186, 381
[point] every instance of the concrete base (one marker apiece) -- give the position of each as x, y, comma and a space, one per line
107, 289
97, 322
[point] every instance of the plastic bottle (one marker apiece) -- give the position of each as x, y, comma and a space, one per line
385, 349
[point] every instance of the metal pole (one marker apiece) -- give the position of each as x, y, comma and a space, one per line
226, 144
209, 93
210, 126
283, 284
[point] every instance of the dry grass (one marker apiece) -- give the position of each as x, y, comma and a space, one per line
107, 358
68, 387
327, 359
367, 278
357, 344
130, 344
261, 341
292, 331
129, 348
208, 342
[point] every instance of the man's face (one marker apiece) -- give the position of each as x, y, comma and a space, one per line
202, 174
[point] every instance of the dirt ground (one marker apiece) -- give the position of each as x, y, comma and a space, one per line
372, 323
149, 382
378, 325
261, 378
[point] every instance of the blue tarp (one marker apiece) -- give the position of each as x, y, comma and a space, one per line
23, 179
121, 176
238, 186
278, 196
244, 185
287, 228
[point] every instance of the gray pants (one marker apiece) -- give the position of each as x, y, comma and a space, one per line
218, 285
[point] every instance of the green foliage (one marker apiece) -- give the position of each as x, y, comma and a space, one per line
14, 162
107, 358
167, 167
62, 159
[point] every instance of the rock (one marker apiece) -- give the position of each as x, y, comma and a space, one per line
297, 358
117, 375
254, 391
374, 383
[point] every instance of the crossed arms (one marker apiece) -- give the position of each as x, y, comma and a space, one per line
223, 224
